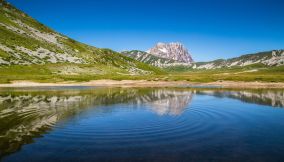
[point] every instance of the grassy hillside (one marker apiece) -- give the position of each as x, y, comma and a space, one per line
26, 44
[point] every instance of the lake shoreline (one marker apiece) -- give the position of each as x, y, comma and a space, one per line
145, 83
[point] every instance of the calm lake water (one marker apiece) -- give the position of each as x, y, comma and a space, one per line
142, 124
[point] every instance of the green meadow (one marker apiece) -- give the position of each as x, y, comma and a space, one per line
82, 73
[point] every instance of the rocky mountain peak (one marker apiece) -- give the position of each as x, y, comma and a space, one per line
174, 51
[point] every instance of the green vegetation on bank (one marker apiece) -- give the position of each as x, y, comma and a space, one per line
68, 72
274, 74
82, 73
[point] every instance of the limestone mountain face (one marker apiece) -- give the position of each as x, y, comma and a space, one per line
173, 51
163, 55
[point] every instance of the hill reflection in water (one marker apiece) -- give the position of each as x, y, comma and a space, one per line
25, 115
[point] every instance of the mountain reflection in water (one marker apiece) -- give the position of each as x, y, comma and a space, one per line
25, 115
274, 98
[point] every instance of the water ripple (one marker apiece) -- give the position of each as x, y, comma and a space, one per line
135, 121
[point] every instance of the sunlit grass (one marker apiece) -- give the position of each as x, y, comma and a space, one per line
52, 73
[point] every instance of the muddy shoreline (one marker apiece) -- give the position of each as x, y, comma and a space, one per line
145, 83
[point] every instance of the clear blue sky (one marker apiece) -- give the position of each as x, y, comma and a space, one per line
210, 29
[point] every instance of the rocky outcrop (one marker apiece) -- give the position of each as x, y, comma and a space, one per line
163, 55
173, 51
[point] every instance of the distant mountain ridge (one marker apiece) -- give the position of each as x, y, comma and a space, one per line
269, 58
152, 59
174, 55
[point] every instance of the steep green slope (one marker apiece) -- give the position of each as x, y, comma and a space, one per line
26, 43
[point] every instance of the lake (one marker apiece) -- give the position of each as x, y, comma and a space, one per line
141, 124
